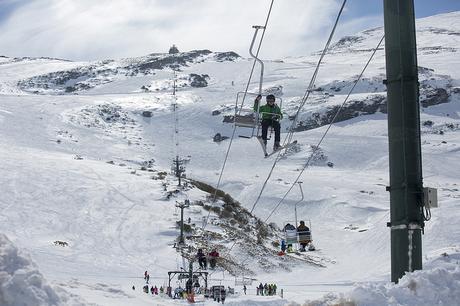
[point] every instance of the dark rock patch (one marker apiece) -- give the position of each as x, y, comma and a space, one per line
434, 97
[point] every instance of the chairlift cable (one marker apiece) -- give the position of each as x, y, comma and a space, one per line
322, 138
304, 99
288, 138
315, 74
175, 118
234, 128
328, 128
278, 156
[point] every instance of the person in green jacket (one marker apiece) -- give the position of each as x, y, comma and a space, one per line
270, 114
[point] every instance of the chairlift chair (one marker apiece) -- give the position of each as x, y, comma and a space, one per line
247, 117
294, 237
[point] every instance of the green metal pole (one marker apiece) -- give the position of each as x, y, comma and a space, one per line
406, 185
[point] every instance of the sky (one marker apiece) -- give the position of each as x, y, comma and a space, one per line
92, 30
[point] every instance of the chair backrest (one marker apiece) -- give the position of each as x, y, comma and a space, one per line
291, 236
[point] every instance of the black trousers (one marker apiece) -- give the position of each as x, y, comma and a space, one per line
275, 125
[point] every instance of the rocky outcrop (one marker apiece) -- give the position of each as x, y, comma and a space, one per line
434, 97
199, 80
352, 109
103, 72
226, 56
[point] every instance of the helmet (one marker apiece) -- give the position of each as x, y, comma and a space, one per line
270, 98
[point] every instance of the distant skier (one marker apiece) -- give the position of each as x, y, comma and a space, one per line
201, 259
145, 275
213, 258
196, 287
271, 114
223, 295
177, 293
283, 246
244, 289
189, 285
261, 289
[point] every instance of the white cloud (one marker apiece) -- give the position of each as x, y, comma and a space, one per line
87, 29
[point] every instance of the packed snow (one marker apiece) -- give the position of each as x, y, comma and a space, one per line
89, 202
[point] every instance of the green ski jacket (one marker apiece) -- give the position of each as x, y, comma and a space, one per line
269, 112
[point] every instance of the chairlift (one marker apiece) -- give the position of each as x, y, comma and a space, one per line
294, 236
247, 117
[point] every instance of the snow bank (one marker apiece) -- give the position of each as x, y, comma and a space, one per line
22, 284
245, 302
438, 285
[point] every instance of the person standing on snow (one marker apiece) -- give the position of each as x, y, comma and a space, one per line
261, 289
271, 114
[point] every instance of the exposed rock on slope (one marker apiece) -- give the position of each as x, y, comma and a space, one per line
103, 72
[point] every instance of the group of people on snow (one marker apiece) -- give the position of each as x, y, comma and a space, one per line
203, 259
301, 234
153, 289
267, 289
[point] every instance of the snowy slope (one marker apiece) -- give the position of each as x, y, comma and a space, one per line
87, 169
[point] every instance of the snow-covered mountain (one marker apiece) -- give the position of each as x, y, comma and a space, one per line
87, 147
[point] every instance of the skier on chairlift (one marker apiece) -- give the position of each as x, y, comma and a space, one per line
271, 114
291, 236
213, 258
304, 235
201, 259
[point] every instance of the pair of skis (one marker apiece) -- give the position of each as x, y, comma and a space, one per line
264, 147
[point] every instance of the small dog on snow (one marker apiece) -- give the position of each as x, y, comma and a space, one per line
61, 243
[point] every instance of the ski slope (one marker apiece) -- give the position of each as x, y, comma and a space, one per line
68, 173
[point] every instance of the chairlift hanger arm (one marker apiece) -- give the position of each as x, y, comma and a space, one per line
301, 192
257, 28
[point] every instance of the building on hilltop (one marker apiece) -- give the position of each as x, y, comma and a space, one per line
173, 50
